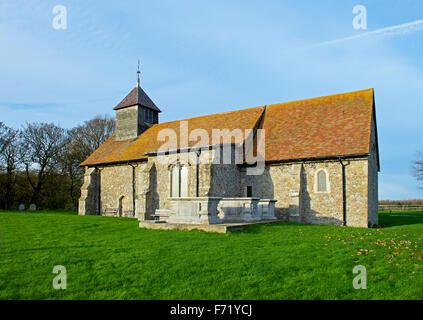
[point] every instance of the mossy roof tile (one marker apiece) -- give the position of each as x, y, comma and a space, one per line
320, 127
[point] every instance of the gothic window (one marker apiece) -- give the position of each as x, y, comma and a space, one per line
178, 180
322, 181
184, 181
174, 182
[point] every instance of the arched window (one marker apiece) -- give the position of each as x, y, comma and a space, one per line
184, 181
174, 181
322, 181
178, 180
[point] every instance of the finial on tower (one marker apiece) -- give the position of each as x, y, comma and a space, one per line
138, 74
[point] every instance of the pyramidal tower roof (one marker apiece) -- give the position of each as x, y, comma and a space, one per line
137, 97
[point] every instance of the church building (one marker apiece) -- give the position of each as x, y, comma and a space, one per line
309, 161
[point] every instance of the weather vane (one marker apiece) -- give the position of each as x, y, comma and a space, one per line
138, 74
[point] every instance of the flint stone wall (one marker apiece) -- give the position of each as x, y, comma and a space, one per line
373, 198
88, 202
293, 185
116, 190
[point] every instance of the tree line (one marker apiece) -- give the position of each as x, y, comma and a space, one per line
410, 202
39, 163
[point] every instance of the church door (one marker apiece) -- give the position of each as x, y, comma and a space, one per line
120, 209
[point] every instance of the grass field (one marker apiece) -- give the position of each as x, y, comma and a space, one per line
111, 258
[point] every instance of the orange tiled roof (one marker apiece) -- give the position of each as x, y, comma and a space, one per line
121, 151
320, 127
108, 151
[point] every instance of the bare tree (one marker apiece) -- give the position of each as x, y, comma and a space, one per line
81, 141
6, 136
418, 168
42, 144
3, 130
69, 161
43, 160
89, 136
9, 160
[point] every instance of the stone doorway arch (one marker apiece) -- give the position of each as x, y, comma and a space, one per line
121, 203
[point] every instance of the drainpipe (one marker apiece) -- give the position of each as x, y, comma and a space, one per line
197, 173
344, 194
133, 186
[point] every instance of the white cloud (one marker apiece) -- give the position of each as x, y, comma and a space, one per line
401, 29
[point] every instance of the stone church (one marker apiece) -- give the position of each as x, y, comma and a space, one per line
319, 164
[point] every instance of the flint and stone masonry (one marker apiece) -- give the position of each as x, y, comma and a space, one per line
337, 185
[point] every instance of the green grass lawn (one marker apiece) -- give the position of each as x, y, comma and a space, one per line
111, 258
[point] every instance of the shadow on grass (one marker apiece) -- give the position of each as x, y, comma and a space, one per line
400, 218
386, 219
59, 248
259, 228
70, 212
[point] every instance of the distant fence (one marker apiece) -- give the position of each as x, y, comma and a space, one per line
398, 207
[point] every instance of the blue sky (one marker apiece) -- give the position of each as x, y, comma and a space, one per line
202, 57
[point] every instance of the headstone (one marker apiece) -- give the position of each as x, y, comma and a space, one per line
21, 207
32, 207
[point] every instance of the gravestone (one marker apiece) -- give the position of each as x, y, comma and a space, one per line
21, 207
32, 207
